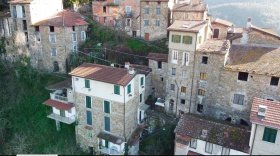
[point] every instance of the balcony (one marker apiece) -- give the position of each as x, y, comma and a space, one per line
59, 96
67, 120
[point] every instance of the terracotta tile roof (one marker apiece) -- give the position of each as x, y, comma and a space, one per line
71, 18
20, 1
188, 7
154, 0
187, 26
158, 57
222, 134
193, 153
223, 22
58, 105
60, 85
214, 46
254, 59
269, 32
108, 74
272, 115
111, 138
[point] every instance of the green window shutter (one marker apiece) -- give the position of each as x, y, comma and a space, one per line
89, 117
129, 89
87, 84
106, 106
187, 39
107, 123
176, 38
269, 135
142, 81
106, 144
117, 89
88, 102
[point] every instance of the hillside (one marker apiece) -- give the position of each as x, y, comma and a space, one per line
264, 13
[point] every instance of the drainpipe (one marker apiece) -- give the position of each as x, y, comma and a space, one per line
253, 139
193, 74
124, 113
176, 96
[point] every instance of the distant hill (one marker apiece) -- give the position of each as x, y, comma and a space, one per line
264, 13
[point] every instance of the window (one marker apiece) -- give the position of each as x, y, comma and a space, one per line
158, 11
185, 60
26, 36
88, 102
172, 87
173, 71
51, 28
89, 117
83, 35
53, 52
184, 74
87, 83
216, 33
75, 48
140, 98
52, 38
23, 11
183, 101
24, 24
146, 11
146, 22
142, 81
242, 76
208, 147
199, 39
157, 23
201, 92
187, 39
73, 28
129, 89
74, 37
117, 89
14, 11
199, 108
202, 76
176, 38
128, 10
55, 66
106, 107
116, 2
238, 99
159, 64
225, 151
107, 124
204, 60
193, 143
106, 143
269, 135
104, 9
174, 56
128, 22
183, 89
161, 78
274, 81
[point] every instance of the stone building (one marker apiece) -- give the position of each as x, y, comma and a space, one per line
5, 24
221, 28
154, 20
110, 108
195, 135
121, 14
57, 37
265, 137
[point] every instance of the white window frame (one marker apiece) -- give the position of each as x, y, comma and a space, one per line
109, 106
193, 143
83, 35
210, 146
158, 12
174, 56
50, 38
90, 102
186, 59
52, 52
225, 151
126, 9
146, 21
74, 34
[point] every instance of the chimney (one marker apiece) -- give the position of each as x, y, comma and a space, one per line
249, 22
126, 65
131, 71
232, 29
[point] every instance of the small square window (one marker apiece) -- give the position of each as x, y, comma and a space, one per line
242, 76
172, 87
238, 99
159, 64
200, 108
183, 89
162, 79
274, 81
37, 28
201, 92
204, 60
73, 28
203, 76
173, 71
269, 135
183, 101
51, 28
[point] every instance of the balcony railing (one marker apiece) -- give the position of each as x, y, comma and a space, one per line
58, 97
67, 120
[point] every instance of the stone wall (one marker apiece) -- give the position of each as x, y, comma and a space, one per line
184, 15
154, 32
223, 30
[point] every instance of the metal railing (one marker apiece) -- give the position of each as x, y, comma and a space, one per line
67, 120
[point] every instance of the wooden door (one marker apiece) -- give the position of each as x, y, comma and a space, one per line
147, 36
216, 33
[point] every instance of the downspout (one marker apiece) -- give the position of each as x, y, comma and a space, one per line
193, 74
124, 113
254, 139
177, 96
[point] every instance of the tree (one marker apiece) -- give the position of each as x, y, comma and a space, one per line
69, 3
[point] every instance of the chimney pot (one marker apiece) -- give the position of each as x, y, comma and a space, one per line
127, 65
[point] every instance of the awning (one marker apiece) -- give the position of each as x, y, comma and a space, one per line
111, 138
58, 105
160, 102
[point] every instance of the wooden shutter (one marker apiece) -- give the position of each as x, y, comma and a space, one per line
87, 84
88, 101
89, 117
106, 144
107, 123
117, 90
106, 106
129, 89
142, 81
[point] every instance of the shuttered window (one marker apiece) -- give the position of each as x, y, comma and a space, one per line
176, 38
142, 81
238, 99
129, 89
202, 76
88, 102
201, 92
187, 39
107, 123
87, 84
269, 135
107, 107
117, 89
89, 117
106, 144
